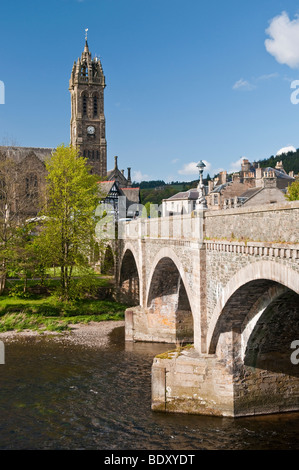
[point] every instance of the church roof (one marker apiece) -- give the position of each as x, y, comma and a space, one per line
117, 175
18, 154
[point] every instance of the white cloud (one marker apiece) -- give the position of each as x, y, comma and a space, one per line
268, 76
286, 150
236, 166
138, 176
175, 160
191, 168
284, 42
243, 85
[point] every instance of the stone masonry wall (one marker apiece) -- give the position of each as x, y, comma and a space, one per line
272, 223
223, 265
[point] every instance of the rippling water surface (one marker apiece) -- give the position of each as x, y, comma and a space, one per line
62, 396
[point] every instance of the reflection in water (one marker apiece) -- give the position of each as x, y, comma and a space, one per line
60, 396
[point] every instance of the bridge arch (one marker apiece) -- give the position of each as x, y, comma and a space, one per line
168, 296
129, 277
252, 329
263, 281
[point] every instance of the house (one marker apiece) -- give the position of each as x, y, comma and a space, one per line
180, 203
252, 185
117, 194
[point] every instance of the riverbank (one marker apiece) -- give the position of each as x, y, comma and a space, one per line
92, 334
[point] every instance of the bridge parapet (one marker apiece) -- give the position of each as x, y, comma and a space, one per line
274, 223
189, 226
265, 223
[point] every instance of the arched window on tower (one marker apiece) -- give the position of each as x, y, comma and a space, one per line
84, 70
84, 105
95, 105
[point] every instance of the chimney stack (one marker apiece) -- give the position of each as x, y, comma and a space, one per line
129, 177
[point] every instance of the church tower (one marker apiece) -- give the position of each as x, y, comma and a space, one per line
88, 133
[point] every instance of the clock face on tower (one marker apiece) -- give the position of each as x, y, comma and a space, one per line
90, 130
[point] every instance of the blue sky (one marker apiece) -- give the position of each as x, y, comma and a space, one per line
186, 79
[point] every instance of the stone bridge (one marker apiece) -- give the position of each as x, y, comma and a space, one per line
224, 287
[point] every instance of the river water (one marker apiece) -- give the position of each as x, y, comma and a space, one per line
64, 396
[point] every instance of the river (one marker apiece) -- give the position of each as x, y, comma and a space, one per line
55, 395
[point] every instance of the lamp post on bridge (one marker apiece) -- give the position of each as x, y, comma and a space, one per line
201, 201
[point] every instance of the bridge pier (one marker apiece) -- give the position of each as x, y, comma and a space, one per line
231, 382
148, 325
186, 381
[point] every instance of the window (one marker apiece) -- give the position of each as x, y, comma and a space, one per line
84, 105
95, 106
216, 200
84, 70
31, 188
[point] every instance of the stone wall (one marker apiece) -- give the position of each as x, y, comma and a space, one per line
272, 223
185, 382
226, 261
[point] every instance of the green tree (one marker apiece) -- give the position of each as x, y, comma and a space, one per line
23, 259
68, 219
293, 191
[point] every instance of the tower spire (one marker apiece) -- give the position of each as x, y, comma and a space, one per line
86, 49
87, 83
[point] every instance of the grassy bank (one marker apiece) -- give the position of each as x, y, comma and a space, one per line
44, 311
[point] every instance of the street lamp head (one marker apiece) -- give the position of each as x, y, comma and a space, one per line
201, 165
201, 201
